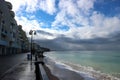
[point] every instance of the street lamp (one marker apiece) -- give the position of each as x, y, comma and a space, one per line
32, 32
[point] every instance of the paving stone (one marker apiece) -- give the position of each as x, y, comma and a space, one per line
24, 71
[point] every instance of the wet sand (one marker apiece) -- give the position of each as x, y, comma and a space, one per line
62, 74
51, 77
68, 71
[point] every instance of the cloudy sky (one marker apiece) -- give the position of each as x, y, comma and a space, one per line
71, 24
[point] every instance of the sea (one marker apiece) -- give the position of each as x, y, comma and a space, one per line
84, 65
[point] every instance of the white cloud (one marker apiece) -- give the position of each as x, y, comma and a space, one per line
28, 24
84, 26
24, 5
47, 6
30, 6
68, 6
33, 5
17, 4
69, 15
85, 5
74, 14
101, 27
33, 24
78, 15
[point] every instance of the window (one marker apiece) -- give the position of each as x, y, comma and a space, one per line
0, 16
1, 12
3, 22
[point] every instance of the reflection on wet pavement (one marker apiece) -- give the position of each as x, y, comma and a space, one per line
24, 71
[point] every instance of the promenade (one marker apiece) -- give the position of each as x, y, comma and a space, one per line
25, 70
22, 71
7, 62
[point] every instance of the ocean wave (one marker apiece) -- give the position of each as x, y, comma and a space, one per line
98, 75
70, 71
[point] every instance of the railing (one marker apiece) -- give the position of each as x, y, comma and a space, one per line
43, 73
40, 71
2, 42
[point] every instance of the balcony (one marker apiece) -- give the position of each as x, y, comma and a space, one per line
1, 15
9, 5
13, 21
4, 33
4, 43
12, 14
15, 45
12, 40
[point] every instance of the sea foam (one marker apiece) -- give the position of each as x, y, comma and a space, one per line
70, 71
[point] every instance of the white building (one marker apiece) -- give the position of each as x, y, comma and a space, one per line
10, 40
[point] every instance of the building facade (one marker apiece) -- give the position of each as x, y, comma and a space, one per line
10, 34
23, 40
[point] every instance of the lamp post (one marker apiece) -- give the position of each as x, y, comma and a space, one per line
32, 32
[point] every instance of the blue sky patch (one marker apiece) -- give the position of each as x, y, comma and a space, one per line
108, 7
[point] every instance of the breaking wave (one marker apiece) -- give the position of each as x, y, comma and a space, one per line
70, 71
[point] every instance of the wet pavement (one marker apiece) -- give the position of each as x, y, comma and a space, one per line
7, 62
24, 71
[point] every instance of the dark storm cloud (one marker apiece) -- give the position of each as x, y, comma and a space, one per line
65, 43
43, 32
52, 44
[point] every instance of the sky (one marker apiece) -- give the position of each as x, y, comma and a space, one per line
71, 24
